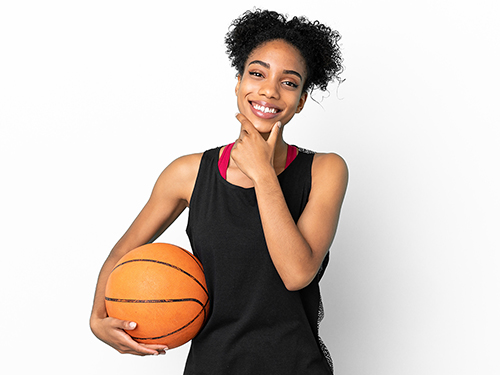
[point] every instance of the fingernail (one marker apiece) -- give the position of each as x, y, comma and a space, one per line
133, 325
279, 124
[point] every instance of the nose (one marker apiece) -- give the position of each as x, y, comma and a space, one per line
269, 89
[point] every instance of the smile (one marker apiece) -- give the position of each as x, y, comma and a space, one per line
265, 109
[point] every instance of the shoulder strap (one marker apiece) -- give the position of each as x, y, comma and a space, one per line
291, 154
224, 160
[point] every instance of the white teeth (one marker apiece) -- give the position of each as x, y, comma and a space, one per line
264, 109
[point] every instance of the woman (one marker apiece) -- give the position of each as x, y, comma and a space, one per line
263, 214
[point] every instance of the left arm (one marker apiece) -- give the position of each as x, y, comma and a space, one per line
297, 250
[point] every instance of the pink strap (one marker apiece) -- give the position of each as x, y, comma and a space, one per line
223, 163
291, 153
224, 160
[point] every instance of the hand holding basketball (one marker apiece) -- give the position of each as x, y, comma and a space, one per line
113, 332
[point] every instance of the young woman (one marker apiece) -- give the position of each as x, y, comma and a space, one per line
262, 213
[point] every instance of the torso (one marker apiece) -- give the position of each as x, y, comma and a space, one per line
247, 295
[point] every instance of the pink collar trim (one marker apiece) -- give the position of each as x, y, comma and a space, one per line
223, 163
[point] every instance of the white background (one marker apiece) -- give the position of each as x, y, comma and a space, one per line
97, 97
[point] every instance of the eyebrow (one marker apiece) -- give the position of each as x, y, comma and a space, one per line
266, 65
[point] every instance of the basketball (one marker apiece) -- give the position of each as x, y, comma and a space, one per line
162, 288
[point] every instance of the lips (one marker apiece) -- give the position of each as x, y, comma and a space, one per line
264, 110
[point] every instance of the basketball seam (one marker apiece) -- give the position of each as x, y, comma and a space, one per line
165, 264
126, 300
195, 259
180, 248
177, 330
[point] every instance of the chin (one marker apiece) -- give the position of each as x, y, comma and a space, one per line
264, 127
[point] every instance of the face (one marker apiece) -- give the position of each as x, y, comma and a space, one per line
270, 88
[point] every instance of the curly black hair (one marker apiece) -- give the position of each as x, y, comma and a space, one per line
317, 43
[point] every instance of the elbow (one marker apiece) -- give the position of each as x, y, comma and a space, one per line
297, 281
299, 276
294, 287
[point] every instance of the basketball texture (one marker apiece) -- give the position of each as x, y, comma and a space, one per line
162, 288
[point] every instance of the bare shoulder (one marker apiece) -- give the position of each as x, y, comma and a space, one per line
179, 177
329, 176
329, 165
186, 165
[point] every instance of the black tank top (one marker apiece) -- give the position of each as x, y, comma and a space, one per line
256, 326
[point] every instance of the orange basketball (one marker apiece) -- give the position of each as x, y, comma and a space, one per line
162, 288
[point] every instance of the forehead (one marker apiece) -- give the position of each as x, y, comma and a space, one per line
278, 54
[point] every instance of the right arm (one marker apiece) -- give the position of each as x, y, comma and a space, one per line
171, 195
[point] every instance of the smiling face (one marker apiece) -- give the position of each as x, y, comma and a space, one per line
270, 88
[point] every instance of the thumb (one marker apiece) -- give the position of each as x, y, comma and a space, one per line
129, 326
273, 137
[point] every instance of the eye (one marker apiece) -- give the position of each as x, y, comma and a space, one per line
256, 74
291, 84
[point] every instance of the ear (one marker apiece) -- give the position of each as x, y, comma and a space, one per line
237, 84
302, 102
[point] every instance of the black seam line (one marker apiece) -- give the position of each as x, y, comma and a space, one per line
195, 259
127, 300
171, 333
165, 264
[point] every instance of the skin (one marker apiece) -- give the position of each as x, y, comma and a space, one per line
273, 77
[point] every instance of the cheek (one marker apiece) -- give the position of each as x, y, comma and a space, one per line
247, 85
243, 90
294, 101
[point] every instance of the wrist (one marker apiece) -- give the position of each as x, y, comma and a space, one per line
96, 317
265, 177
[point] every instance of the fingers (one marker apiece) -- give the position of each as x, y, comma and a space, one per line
124, 343
273, 137
248, 129
129, 346
245, 123
145, 349
160, 349
246, 126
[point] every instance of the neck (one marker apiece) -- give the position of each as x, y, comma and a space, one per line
280, 153
280, 150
